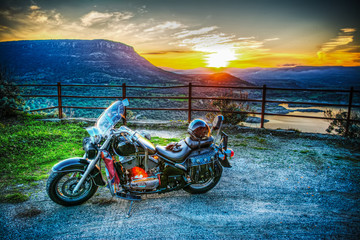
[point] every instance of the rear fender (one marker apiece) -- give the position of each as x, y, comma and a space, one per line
80, 164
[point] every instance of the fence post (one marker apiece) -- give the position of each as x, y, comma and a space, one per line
349, 111
263, 104
59, 100
189, 103
124, 96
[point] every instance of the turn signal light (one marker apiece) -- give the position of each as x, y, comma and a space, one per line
229, 152
232, 153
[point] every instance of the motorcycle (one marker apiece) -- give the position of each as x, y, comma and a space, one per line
134, 166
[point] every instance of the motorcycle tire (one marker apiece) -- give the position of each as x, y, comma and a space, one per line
203, 188
60, 184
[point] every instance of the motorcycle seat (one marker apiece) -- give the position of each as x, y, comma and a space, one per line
178, 156
193, 144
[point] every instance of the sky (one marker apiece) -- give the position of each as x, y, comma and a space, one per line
183, 34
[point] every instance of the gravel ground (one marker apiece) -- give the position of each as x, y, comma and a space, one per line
280, 187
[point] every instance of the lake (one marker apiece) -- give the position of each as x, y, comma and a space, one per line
302, 124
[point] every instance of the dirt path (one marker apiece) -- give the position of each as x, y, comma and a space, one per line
279, 187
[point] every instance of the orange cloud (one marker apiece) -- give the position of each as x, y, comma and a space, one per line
338, 51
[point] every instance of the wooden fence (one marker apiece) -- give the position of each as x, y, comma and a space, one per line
190, 98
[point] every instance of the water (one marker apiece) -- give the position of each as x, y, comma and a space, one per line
302, 124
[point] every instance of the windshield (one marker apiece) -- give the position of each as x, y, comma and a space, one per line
109, 118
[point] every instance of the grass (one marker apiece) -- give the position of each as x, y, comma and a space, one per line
15, 197
163, 141
260, 148
29, 147
348, 158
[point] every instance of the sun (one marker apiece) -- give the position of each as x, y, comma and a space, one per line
221, 57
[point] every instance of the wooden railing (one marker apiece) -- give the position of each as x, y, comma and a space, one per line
190, 98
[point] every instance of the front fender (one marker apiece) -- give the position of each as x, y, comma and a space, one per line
80, 164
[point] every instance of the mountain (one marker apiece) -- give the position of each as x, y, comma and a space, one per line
200, 70
294, 77
221, 78
301, 76
80, 61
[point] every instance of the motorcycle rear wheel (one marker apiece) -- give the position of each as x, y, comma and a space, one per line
59, 187
208, 185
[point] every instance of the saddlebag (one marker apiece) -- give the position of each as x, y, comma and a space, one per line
201, 164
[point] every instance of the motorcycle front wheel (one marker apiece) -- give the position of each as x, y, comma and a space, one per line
208, 185
60, 187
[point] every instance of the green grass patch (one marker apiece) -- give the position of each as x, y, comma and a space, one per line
30, 147
260, 148
181, 100
163, 141
239, 135
16, 197
257, 139
348, 158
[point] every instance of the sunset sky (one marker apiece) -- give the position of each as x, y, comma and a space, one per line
186, 34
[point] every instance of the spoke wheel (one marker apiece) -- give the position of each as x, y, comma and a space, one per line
206, 185
60, 188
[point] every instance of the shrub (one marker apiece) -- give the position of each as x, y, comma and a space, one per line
224, 105
10, 99
339, 126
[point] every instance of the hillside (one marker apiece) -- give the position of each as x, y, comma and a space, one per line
221, 78
80, 61
301, 76
297, 77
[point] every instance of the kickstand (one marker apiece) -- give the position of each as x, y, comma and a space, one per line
129, 212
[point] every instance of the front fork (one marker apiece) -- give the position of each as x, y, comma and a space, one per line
92, 165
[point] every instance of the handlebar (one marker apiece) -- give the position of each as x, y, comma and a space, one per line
128, 131
132, 135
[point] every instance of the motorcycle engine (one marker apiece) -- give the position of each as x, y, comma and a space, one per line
148, 183
141, 181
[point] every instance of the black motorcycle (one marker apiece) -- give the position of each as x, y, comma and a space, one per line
134, 166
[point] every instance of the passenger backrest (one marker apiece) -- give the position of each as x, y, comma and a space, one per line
217, 123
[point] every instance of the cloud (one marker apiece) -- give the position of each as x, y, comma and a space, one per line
348, 30
207, 43
187, 33
271, 39
34, 7
168, 25
48, 17
152, 36
345, 37
220, 48
166, 52
142, 9
342, 50
289, 65
96, 18
32, 16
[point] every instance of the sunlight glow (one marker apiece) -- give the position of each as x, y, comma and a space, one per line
220, 58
